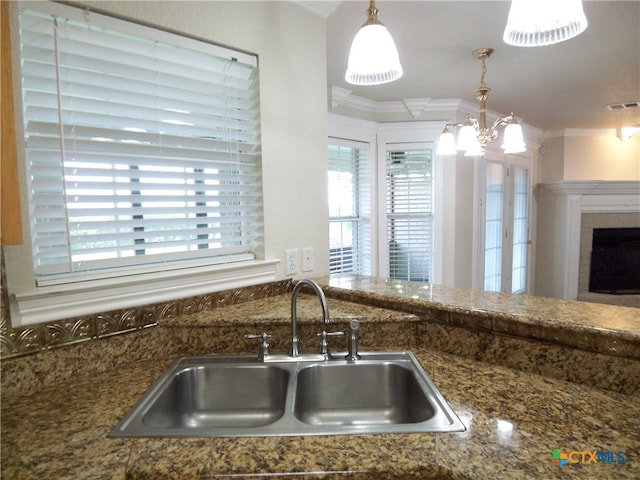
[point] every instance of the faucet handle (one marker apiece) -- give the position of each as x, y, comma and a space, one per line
264, 345
324, 343
352, 342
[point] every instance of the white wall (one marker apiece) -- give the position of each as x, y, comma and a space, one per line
574, 158
290, 42
589, 155
601, 157
550, 244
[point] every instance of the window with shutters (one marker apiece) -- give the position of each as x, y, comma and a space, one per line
142, 147
409, 212
349, 207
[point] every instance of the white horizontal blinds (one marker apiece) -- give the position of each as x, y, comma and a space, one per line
409, 213
139, 150
349, 207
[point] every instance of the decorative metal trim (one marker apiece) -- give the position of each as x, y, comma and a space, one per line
20, 341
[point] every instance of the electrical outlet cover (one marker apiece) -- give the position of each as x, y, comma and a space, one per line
291, 261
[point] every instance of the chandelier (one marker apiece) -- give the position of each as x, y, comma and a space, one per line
373, 57
474, 134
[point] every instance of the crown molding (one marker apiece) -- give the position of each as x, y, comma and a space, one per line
343, 97
416, 105
322, 8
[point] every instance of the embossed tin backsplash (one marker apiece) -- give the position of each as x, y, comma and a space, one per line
25, 340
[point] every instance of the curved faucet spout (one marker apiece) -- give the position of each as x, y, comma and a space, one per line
294, 351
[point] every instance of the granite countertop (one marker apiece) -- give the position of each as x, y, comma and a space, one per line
515, 421
614, 330
277, 310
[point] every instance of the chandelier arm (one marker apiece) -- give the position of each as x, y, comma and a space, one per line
450, 126
489, 134
505, 120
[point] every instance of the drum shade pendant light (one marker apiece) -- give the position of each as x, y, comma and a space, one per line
474, 134
373, 58
535, 23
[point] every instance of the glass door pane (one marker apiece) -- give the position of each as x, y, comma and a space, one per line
494, 189
520, 229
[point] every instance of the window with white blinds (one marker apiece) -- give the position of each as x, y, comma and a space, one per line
142, 146
349, 207
409, 205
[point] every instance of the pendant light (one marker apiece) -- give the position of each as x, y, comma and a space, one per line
535, 23
373, 58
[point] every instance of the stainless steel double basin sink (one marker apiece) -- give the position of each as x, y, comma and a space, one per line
230, 396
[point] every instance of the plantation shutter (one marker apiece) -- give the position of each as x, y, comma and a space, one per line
409, 214
349, 207
142, 146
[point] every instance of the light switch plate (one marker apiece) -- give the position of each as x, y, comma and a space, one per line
307, 259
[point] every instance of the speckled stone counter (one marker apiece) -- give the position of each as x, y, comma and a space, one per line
515, 421
59, 405
583, 342
596, 327
386, 328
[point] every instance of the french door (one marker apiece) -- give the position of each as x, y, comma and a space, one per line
504, 213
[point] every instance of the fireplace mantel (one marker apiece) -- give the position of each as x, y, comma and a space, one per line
572, 199
595, 187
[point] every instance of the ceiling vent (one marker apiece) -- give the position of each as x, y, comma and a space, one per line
623, 106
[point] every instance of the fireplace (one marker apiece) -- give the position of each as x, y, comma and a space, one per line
568, 213
615, 261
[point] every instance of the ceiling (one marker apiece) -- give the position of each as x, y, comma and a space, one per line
562, 86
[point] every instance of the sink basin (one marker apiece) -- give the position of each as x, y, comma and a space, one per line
360, 394
210, 396
235, 396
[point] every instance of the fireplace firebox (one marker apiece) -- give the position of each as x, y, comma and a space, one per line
615, 261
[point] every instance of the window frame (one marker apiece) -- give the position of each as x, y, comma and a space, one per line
31, 304
361, 216
508, 163
360, 132
378, 135
391, 216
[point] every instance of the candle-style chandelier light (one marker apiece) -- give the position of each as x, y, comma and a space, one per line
474, 134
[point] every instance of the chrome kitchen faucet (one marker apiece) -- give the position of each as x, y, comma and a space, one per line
294, 351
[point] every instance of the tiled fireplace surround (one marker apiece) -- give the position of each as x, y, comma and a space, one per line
583, 206
590, 221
